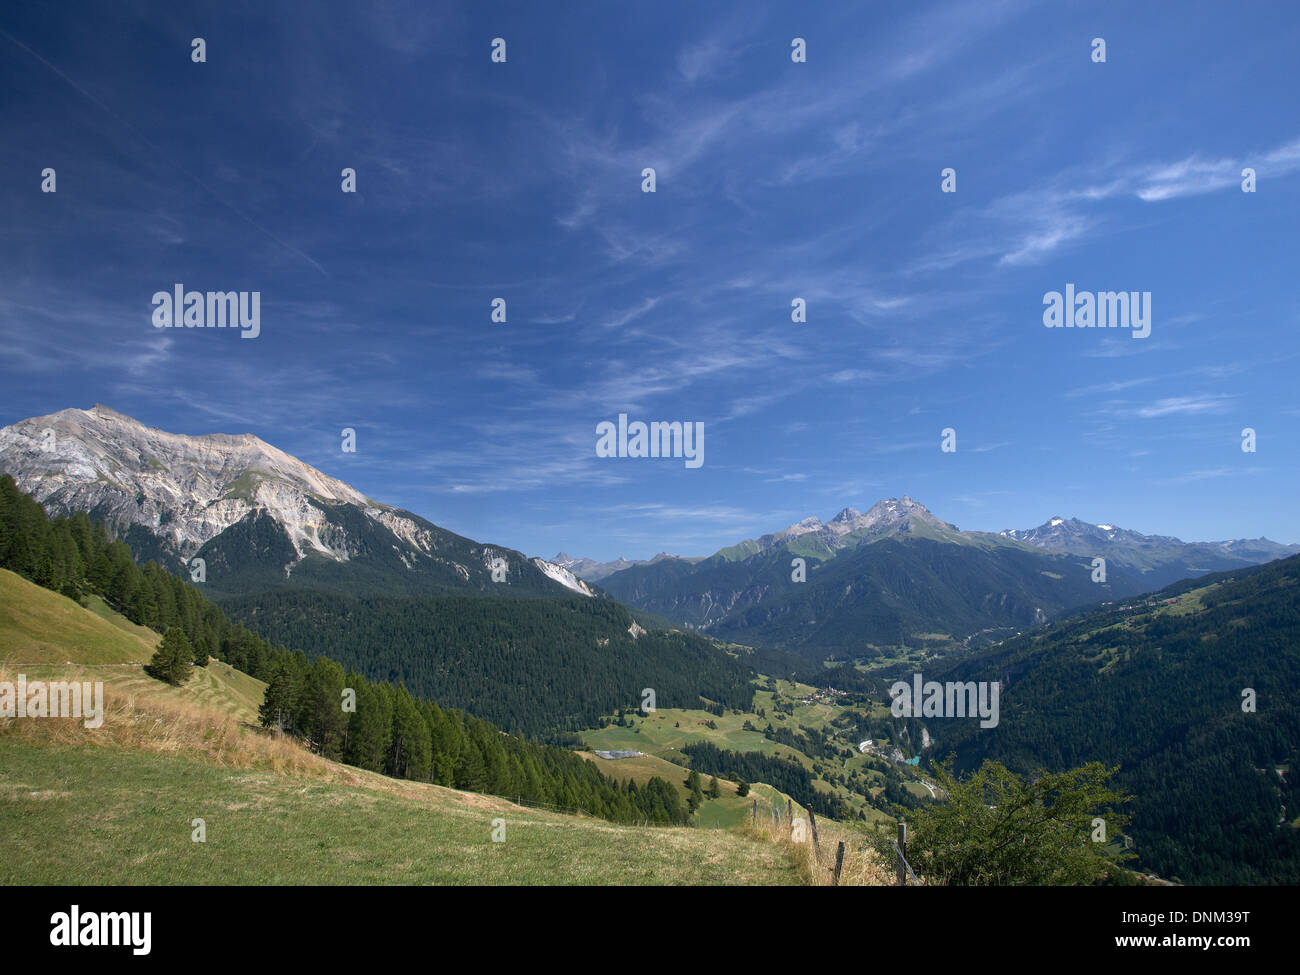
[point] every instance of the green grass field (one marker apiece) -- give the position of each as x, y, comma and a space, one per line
89, 815
116, 805
101, 609
729, 811
661, 734
40, 626
217, 686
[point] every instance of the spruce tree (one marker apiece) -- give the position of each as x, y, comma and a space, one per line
697, 794
172, 660
277, 702
324, 719
369, 727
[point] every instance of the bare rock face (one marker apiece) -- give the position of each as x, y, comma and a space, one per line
590, 569
563, 576
185, 491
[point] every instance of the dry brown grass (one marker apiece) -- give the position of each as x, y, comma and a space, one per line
862, 867
155, 717
165, 721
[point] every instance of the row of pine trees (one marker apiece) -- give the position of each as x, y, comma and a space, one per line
77, 557
343, 716
381, 727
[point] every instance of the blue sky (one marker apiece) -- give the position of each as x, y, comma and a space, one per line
775, 180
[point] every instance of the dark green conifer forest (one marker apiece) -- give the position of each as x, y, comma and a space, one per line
389, 730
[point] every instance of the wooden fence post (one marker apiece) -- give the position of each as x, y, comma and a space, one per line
753, 814
902, 853
839, 864
812, 822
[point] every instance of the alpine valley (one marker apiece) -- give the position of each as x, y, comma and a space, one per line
768, 661
897, 576
308, 561
357, 528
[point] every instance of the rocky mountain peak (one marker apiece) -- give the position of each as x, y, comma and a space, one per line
185, 491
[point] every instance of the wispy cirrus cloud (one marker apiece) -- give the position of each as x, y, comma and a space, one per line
1185, 406
777, 181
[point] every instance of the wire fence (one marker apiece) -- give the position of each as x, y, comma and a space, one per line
902, 865
822, 857
832, 863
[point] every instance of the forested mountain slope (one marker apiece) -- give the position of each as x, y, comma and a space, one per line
1194, 692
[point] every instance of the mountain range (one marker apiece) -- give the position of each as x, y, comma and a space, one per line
593, 571
852, 587
257, 517
899, 575
1159, 554
308, 562
818, 539
1153, 685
